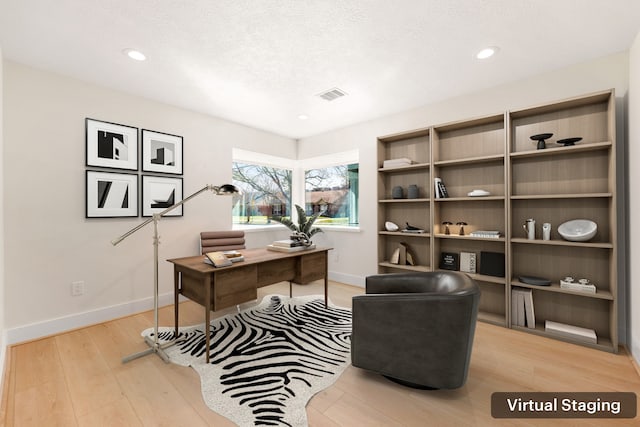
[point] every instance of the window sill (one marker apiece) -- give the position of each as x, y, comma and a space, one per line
278, 227
257, 228
341, 228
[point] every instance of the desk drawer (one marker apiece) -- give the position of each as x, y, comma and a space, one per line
311, 267
278, 270
234, 286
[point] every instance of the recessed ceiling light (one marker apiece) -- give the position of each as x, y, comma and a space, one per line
303, 117
134, 54
487, 52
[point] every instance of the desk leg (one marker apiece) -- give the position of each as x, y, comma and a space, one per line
326, 280
176, 289
207, 313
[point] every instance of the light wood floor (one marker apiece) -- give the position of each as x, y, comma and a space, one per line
77, 379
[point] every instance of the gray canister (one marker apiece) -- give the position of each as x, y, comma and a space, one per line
397, 192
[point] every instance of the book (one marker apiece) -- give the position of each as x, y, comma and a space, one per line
517, 308
289, 249
449, 261
589, 288
490, 234
396, 162
492, 264
570, 331
529, 312
468, 262
440, 189
218, 259
288, 243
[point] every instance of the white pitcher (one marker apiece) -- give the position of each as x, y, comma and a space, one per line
530, 228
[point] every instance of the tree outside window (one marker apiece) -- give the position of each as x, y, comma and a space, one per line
266, 192
334, 192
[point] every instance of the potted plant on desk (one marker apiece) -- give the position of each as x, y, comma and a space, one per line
304, 229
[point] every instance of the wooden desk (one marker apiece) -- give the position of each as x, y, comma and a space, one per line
222, 287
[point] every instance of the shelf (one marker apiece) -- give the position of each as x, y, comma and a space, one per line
400, 233
402, 136
551, 151
467, 237
489, 279
469, 199
470, 160
562, 196
603, 343
600, 245
554, 287
423, 268
407, 168
494, 319
421, 200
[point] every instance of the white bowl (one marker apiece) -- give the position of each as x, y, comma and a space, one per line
578, 230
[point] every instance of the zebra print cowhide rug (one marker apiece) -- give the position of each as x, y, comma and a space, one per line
266, 362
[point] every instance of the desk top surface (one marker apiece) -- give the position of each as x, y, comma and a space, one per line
251, 256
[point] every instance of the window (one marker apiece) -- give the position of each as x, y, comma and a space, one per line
333, 191
266, 192
271, 185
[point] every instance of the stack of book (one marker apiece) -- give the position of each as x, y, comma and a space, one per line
489, 234
522, 312
395, 163
223, 259
570, 331
440, 190
288, 245
234, 256
579, 286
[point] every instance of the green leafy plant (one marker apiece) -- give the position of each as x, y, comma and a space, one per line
304, 228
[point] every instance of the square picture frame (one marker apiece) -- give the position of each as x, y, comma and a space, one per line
162, 152
111, 195
159, 193
111, 145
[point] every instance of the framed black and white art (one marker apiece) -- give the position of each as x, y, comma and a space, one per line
111, 194
111, 145
161, 152
159, 193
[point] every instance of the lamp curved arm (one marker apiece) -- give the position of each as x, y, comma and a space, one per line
226, 189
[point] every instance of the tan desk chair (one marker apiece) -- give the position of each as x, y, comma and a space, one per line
211, 241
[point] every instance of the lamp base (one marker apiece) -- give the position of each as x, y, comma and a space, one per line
154, 347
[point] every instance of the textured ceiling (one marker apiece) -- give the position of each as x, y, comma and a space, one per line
262, 63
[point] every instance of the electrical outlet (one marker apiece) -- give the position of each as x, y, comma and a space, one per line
77, 288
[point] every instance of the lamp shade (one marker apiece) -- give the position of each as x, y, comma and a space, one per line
226, 189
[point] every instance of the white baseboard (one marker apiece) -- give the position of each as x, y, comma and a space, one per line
79, 320
348, 279
3, 358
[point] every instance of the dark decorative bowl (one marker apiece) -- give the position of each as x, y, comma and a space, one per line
541, 137
532, 280
569, 141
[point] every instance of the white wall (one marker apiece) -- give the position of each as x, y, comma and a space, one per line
3, 346
49, 241
357, 252
634, 197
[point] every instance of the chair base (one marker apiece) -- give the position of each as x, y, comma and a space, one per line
410, 384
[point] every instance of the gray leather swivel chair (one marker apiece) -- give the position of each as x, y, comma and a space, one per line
416, 328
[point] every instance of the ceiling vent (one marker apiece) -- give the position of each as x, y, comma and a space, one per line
332, 94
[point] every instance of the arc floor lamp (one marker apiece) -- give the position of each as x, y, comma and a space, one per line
154, 345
